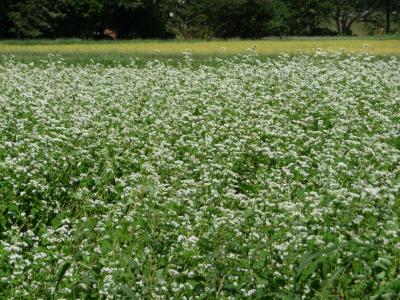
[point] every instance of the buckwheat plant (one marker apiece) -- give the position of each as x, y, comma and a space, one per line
244, 178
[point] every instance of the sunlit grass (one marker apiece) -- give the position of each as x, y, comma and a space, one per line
230, 47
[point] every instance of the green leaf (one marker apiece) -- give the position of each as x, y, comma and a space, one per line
336, 274
392, 288
61, 273
248, 213
106, 246
128, 292
307, 259
381, 275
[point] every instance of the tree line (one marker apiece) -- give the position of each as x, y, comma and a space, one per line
206, 19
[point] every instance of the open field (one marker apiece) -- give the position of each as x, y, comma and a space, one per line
82, 51
264, 179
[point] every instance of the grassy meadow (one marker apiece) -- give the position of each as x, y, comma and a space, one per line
107, 51
257, 176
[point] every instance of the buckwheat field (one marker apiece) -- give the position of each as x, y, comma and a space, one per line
251, 178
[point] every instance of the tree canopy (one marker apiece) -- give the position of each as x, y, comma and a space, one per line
190, 18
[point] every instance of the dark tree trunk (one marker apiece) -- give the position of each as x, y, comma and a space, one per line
2, 17
396, 22
338, 24
387, 16
346, 25
343, 26
337, 18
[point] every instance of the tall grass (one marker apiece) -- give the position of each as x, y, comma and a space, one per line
378, 46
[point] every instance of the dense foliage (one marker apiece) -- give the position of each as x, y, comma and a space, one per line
189, 18
245, 178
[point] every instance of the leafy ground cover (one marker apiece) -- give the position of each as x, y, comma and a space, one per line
273, 178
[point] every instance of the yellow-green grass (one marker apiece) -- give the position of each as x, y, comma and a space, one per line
203, 48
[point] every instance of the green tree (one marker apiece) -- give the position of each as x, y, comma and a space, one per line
307, 17
347, 12
390, 8
135, 18
186, 19
129, 18
225, 18
245, 18
3, 18
31, 18
80, 17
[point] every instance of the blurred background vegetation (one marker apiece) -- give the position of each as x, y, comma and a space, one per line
195, 19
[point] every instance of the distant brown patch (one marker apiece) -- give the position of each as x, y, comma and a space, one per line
109, 33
